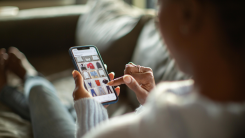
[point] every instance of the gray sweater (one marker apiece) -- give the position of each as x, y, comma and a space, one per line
89, 114
168, 112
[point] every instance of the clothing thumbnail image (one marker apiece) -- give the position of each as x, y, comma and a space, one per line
105, 81
101, 81
98, 64
94, 74
86, 75
93, 92
95, 57
102, 73
108, 89
87, 58
101, 91
83, 66
90, 66
90, 83
79, 59
97, 82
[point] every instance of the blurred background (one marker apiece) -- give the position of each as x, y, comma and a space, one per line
28, 4
123, 31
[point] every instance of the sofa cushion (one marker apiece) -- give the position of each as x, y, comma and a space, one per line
12, 125
106, 22
114, 27
41, 31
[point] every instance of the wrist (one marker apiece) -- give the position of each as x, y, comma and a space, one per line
79, 95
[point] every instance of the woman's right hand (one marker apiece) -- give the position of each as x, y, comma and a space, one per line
138, 78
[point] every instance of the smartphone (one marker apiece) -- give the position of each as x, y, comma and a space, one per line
87, 60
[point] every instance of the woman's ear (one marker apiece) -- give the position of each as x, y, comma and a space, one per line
191, 16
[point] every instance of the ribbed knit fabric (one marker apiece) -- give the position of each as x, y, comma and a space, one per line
171, 110
89, 114
139, 109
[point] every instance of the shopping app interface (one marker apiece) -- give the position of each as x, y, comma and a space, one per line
95, 78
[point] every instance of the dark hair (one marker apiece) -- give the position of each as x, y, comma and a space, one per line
231, 14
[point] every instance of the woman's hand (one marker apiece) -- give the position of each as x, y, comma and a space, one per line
80, 91
138, 78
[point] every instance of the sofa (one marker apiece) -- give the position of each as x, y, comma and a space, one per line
121, 32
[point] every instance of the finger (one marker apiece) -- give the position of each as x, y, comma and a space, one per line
106, 106
117, 89
131, 68
4, 60
78, 79
1, 61
133, 85
116, 82
2, 50
145, 69
111, 75
13, 59
16, 52
5, 56
143, 78
131, 63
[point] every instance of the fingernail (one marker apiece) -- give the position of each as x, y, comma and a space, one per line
127, 79
110, 82
113, 73
74, 74
131, 63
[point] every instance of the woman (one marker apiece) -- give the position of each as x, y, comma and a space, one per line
206, 39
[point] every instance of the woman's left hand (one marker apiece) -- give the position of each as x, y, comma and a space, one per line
80, 91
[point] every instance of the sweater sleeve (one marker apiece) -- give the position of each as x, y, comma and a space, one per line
89, 114
139, 109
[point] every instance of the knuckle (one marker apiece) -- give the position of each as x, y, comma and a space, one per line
148, 69
127, 70
147, 77
149, 74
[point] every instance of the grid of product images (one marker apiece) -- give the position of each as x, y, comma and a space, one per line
95, 78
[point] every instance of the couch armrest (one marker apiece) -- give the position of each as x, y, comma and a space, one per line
41, 30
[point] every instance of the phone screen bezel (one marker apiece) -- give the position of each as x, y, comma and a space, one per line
77, 68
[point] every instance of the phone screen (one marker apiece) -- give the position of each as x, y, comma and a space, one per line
95, 77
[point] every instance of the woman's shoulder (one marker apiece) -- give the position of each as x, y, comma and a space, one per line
178, 103
181, 97
177, 87
173, 92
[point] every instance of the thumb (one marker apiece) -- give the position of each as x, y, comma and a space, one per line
78, 79
79, 91
133, 84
